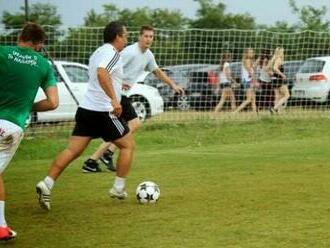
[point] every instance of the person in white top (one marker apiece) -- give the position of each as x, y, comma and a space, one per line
248, 80
98, 116
136, 58
226, 83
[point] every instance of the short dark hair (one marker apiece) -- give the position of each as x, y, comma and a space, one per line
32, 32
146, 27
112, 30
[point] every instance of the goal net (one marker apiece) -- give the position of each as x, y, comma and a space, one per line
193, 59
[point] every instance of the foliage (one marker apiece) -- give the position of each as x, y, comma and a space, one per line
213, 16
311, 18
161, 18
44, 14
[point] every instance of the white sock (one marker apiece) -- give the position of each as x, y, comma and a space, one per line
49, 182
2, 214
119, 183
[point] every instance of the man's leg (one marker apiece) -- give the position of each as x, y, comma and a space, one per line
76, 146
126, 145
9, 142
106, 150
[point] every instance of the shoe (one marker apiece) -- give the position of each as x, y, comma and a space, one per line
108, 161
6, 233
114, 193
43, 195
272, 111
90, 165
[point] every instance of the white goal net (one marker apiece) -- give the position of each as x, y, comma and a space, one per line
194, 59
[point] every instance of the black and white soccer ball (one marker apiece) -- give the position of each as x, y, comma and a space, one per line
147, 192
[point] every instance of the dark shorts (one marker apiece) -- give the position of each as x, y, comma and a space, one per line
278, 82
128, 110
225, 85
99, 125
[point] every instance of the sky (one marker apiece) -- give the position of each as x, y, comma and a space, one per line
264, 11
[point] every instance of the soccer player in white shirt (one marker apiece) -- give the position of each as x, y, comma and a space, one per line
98, 116
136, 59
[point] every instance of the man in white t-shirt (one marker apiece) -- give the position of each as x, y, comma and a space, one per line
98, 115
136, 58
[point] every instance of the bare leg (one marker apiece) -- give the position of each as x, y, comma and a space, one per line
284, 91
133, 125
75, 147
232, 100
126, 145
253, 101
246, 102
222, 101
102, 149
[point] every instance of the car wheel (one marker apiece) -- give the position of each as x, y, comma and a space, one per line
141, 107
183, 103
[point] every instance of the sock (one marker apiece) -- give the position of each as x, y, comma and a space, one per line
49, 182
119, 183
3, 222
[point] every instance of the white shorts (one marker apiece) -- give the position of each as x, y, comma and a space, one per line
10, 137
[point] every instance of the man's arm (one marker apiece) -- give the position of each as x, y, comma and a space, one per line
50, 103
105, 81
163, 77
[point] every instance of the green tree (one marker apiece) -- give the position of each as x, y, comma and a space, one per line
44, 14
213, 16
311, 18
159, 18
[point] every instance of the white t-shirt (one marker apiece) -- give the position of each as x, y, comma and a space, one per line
223, 77
135, 62
95, 98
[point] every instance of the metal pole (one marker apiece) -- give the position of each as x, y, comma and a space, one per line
26, 10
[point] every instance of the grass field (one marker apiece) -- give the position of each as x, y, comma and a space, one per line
261, 183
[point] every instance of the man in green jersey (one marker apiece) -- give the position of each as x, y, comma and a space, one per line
22, 71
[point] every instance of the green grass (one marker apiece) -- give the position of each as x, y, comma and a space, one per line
261, 183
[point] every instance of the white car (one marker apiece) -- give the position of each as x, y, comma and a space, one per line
313, 80
145, 99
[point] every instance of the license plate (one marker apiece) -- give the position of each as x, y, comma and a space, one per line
299, 93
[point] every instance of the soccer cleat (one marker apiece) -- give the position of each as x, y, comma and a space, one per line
114, 193
43, 195
108, 161
7, 234
91, 166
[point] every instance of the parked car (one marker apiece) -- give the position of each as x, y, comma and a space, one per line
202, 86
145, 99
313, 80
180, 75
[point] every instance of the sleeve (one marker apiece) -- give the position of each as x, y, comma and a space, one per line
109, 61
49, 79
126, 57
152, 65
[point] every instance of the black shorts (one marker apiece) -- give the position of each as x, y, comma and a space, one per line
225, 85
99, 125
128, 110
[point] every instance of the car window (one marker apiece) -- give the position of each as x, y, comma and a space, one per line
312, 66
76, 74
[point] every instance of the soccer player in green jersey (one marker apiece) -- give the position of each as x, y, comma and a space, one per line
22, 71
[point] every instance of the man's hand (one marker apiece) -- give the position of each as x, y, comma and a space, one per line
178, 90
116, 108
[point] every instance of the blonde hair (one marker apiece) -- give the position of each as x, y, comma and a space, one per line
278, 54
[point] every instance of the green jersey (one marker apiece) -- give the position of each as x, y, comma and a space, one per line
22, 72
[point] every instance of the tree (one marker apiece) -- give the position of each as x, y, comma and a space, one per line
159, 18
213, 16
311, 18
43, 14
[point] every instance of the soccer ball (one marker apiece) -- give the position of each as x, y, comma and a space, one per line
147, 192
